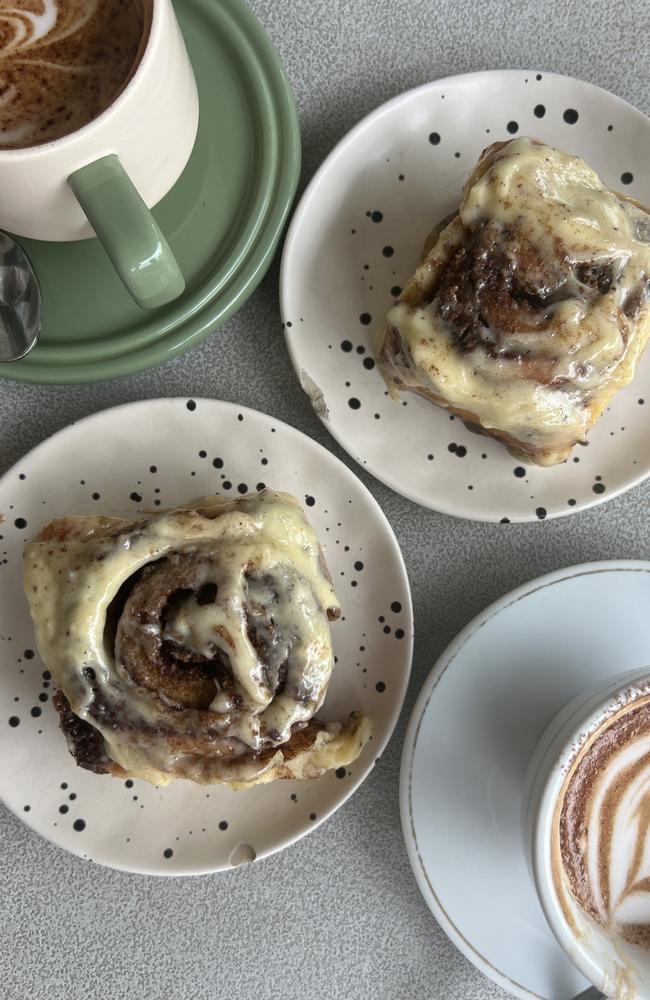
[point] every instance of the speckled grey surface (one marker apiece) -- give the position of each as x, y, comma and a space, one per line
339, 914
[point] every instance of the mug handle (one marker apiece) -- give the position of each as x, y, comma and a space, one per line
128, 232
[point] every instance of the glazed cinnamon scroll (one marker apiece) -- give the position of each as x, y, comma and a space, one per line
531, 304
191, 643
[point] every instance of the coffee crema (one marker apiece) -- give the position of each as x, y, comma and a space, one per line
603, 825
63, 62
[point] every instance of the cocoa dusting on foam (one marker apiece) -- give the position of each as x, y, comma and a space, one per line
62, 62
603, 825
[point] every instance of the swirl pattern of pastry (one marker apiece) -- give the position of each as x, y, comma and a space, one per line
603, 826
192, 642
531, 304
62, 62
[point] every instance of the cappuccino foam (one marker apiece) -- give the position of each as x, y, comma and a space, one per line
604, 824
63, 62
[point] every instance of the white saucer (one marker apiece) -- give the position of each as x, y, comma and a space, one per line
354, 241
169, 451
472, 731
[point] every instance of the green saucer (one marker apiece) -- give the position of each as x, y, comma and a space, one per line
223, 217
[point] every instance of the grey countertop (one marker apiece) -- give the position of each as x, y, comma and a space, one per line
338, 914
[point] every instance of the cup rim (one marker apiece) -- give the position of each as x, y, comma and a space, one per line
582, 720
21, 152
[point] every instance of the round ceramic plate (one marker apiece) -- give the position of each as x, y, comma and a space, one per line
355, 240
166, 452
472, 732
223, 217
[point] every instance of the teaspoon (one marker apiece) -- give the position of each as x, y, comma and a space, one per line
21, 310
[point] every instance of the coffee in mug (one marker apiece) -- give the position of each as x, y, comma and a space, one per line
63, 62
98, 116
602, 825
586, 825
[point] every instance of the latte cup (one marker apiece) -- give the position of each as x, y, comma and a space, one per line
606, 956
102, 179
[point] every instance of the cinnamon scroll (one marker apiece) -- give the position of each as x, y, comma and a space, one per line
531, 304
191, 643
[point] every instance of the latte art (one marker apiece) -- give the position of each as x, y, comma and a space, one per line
604, 825
62, 62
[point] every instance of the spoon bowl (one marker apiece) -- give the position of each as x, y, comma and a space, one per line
21, 306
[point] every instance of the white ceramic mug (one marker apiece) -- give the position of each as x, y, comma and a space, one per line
102, 179
620, 969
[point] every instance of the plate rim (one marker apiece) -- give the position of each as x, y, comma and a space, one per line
427, 691
292, 238
211, 310
233, 408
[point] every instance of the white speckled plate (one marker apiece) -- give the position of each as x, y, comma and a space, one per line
469, 741
355, 240
166, 452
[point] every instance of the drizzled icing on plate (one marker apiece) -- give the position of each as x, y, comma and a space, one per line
531, 307
193, 642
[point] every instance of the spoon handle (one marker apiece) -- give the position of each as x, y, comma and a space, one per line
590, 994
